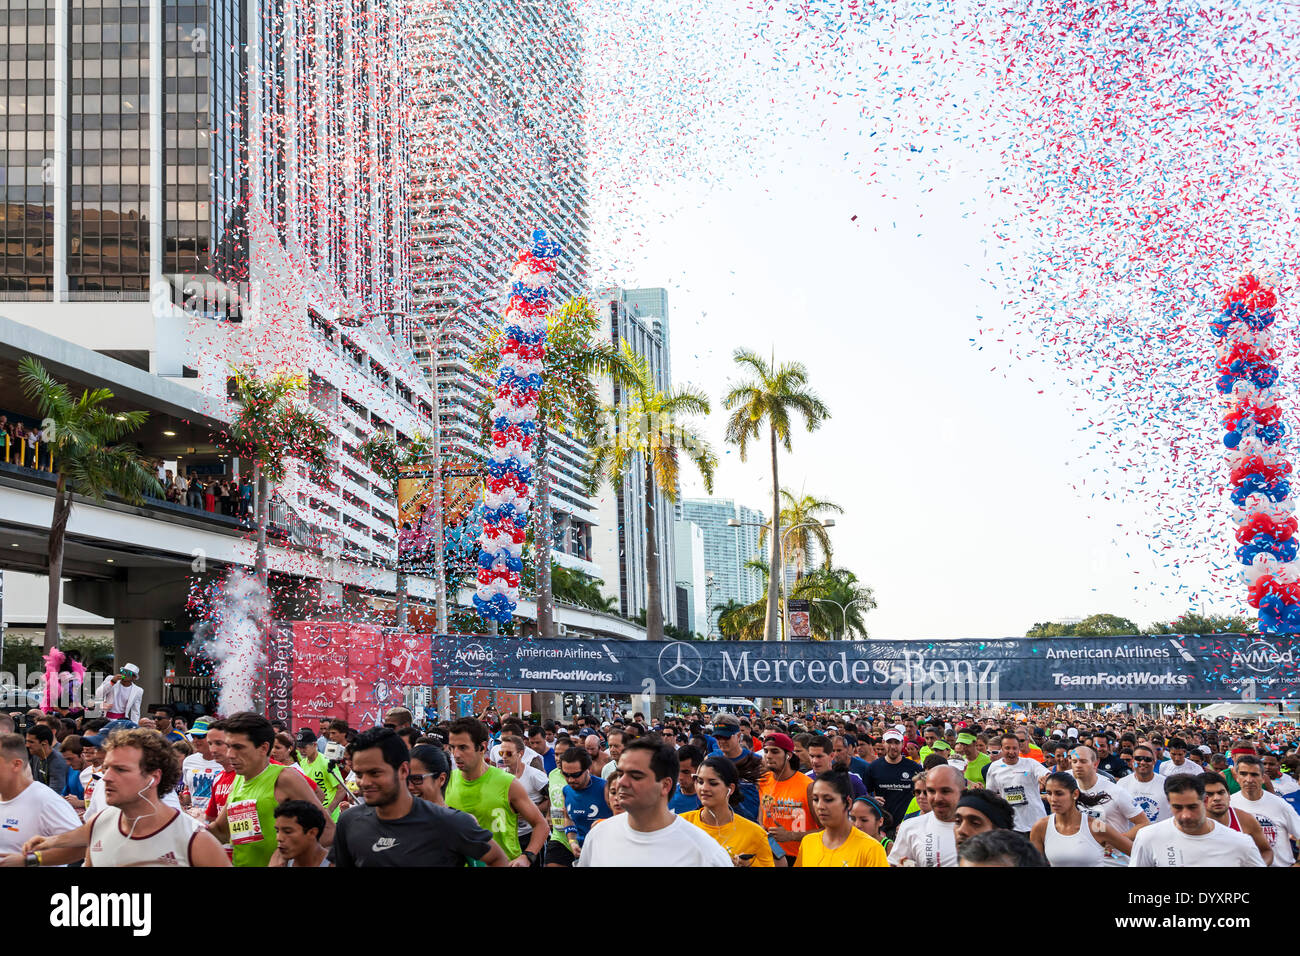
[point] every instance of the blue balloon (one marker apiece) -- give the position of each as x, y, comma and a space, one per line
1232, 439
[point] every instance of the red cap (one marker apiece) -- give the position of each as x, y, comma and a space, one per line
781, 740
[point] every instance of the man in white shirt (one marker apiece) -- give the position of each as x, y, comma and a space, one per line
26, 809
1189, 837
1282, 783
648, 833
931, 838
120, 696
1178, 762
1016, 780
1120, 813
1145, 786
1277, 818
199, 770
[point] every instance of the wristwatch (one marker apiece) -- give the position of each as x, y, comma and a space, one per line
532, 857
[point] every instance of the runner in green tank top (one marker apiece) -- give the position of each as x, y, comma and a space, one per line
491, 795
247, 821
313, 763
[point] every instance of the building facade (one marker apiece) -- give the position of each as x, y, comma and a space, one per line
201, 185
691, 579
727, 550
496, 149
619, 539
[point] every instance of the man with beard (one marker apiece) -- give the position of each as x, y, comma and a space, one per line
396, 829
930, 840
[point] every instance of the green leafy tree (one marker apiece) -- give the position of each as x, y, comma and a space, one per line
772, 395
1192, 623
1096, 625
582, 590
647, 432
576, 359
271, 426
91, 458
738, 621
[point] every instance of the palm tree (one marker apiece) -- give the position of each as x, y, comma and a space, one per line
803, 515
772, 394
822, 586
740, 622
85, 439
574, 358
381, 452
645, 430
269, 428
574, 587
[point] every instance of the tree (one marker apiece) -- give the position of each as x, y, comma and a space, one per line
270, 427
802, 517
740, 622
86, 441
1096, 625
574, 358
574, 587
1191, 623
647, 432
381, 452
772, 395
823, 585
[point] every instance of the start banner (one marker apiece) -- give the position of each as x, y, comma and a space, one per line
1243, 667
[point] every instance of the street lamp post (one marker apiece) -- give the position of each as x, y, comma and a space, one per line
780, 556
844, 612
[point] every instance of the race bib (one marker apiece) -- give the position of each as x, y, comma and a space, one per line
245, 824
1014, 796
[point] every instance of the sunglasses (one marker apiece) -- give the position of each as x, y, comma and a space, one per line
417, 779
572, 776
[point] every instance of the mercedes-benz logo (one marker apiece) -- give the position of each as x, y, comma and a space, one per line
680, 665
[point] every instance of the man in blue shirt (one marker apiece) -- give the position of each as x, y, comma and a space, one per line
684, 799
845, 757
537, 743
584, 797
726, 727
162, 719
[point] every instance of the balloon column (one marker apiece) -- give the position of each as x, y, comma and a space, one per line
514, 425
1260, 476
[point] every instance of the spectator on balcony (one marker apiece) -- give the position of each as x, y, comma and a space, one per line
194, 497
210, 492
246, 497
170, 490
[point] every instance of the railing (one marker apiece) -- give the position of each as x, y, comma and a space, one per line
284, 518
24, 456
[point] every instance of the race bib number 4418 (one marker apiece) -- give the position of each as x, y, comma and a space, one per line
245, 825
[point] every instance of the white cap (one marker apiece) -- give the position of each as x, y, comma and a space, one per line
893, 735
1073, 732
130, 669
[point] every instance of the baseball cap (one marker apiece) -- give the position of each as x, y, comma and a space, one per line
893, 735
781, 740
1073, 732
200, 728
101, 738
306, 737
965, 738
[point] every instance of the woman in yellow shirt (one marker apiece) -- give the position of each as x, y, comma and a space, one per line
717, 784
838, 843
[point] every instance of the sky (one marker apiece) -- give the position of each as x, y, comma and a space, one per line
977, 502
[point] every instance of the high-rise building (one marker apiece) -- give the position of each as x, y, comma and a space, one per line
497, 149
692, 579
198, 185
619, 540
727, 550
652, 306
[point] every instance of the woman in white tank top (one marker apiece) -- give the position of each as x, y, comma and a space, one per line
1070, 835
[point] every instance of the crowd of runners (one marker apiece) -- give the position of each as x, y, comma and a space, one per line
883, 787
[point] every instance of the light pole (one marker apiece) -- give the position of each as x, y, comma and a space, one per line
780, 556
844, 612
